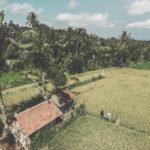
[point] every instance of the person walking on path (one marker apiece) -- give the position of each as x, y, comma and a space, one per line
117, 124
102, 115
109, 116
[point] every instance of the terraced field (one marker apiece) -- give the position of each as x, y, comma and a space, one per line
125, 93
17, 95
89, 133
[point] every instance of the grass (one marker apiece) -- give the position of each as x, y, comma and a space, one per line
17, 95
84, 82
91, 133
12, 79
22, 94
124, 92
142, 66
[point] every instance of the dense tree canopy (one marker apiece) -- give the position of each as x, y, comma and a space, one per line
72, 50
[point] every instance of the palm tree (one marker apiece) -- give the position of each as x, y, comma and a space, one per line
80, 32
125, 36
32, 21
2, 38
123, 44
1, 18
2, 108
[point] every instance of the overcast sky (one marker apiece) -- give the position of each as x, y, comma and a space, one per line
106, 18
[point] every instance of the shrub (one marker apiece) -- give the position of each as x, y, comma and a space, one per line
11, 51
80, 83
81, 110
10, 138
141, 66
42, 137
12, 79
60, 79
16, 65
35, 72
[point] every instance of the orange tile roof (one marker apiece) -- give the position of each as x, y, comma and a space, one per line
37, 117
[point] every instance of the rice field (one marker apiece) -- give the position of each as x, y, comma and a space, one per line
17, 95
125, 93
89, 133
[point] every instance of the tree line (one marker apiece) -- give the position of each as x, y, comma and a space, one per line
55, 52
72, 49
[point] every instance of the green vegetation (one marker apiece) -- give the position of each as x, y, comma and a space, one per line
52, 52
23, 94
72, 50
91, 133
84, 82
142, 66
43, 136
17, 95
12, 79
125, 93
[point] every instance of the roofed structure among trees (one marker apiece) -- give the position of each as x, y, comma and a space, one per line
34, 118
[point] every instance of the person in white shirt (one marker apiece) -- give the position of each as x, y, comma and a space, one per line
109, 116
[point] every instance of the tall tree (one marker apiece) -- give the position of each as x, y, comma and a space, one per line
1, 18
32, 21
2, 68
122, 54
47, 57
2, 42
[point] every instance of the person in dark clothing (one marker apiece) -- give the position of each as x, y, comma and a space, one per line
102, 115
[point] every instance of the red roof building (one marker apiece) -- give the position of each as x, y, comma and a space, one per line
34, 118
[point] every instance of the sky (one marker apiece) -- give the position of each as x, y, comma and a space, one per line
106, 18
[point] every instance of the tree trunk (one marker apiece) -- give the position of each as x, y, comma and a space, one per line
77, 48
141, 57
8, 128
3, 113
42, 89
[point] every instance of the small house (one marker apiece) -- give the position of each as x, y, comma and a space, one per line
36, 117
50, 112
